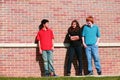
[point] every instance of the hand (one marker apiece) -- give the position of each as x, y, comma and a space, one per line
73, 38
40, 51
96, 43
76, 37
53, 48
85, 46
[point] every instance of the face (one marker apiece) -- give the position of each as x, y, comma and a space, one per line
89, 23
46, 25
74, 24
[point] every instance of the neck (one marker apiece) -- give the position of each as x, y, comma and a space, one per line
74, 27
44, 28
91, 25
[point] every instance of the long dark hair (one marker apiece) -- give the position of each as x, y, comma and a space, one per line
44, 21
71, 29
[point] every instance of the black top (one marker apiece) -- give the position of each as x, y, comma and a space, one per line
75, 33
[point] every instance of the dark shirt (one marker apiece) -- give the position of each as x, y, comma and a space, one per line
75, 33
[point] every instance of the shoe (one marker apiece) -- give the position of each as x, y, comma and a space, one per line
47, 75
90, 73
99, 73
68, 74
80, 74
53, 74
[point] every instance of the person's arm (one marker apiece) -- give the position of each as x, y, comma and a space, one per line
98, 36
83, 33
53, 44
83, 40
40, 50
97, 42
74, 38
52, 34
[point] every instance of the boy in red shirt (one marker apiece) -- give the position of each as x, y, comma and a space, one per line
45, 41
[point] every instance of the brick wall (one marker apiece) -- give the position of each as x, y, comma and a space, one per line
19, 21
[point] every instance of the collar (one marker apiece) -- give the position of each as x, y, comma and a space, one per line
90, 26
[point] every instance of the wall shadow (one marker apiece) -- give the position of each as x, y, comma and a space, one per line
66, 56
84, 62
40, 61
39, 58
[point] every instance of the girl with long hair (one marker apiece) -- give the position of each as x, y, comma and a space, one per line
74, 33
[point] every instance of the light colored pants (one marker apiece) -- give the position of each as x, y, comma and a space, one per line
92, 51
47, 56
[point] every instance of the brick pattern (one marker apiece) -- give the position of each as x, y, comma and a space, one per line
19, 21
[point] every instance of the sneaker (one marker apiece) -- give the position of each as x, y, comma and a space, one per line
80, 74
99, 73
90, 73
47, 75
68, 74
53, 74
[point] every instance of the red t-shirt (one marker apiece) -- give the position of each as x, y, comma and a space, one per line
45, 37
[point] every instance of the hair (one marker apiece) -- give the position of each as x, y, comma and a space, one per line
44, 21
71, 29
90, 18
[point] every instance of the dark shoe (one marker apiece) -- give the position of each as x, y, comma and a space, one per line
68, 74
53, 74
80, 74
47, 75
90, 73
100, 73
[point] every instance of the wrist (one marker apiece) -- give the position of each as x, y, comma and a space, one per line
40, 48
83, 43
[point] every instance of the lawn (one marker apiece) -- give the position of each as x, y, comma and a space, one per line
64, 78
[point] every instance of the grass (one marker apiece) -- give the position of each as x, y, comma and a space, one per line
63, 78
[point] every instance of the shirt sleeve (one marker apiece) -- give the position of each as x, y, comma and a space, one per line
68, 35
83, 32
52, 34
38, 37
98, 32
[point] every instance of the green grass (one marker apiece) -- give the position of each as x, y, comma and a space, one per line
64, 78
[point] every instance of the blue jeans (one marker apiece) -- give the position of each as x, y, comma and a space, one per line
92, 51
72, 51
47, 56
